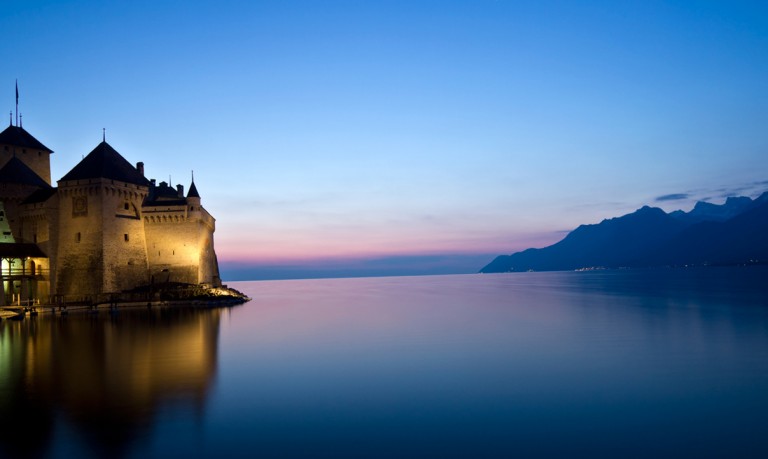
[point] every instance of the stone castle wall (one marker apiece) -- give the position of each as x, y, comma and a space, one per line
80, 266
108, 243
179, 244
38, 219
124, 243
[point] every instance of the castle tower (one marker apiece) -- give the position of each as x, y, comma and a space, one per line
179, 237
208, 264
102, 245
15, 141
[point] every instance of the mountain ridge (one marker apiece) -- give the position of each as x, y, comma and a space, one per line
734, 232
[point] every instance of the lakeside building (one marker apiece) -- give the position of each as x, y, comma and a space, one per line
105, 228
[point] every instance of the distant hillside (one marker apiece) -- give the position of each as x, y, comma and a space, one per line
734, 232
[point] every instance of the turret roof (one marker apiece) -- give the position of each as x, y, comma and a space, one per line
17, 136
105, 162
15, 171
193, 191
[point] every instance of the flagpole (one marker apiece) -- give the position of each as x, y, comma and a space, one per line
17, 101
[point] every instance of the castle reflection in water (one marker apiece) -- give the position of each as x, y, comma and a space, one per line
101, 378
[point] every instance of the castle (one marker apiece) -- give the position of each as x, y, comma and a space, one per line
104, 229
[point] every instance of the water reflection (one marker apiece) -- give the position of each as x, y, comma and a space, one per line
594, 364
101, 379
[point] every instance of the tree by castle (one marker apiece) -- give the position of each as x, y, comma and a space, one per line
104, 229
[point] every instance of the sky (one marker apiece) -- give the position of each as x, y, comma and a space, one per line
401, 137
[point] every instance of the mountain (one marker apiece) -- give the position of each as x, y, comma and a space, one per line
706, 211
732, 233
741, 239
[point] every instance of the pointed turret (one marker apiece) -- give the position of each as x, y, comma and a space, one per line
193, 191
193, 197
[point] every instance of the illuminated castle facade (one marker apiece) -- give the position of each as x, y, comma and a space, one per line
104, 229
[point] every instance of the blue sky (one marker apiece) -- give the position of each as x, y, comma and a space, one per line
321, 132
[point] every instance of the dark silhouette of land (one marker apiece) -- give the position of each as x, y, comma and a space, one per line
732, 233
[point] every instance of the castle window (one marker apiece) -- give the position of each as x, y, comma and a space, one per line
23, 150
125, 237
126, 206
34, 238
77, 237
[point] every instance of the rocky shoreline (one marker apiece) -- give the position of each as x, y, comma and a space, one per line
166, 296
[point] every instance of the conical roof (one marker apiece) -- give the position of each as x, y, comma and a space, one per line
105, 162
192, 193
17, 136
15, 171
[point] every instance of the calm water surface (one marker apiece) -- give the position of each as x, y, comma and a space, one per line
670, 363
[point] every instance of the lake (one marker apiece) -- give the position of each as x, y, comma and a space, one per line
602, 364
